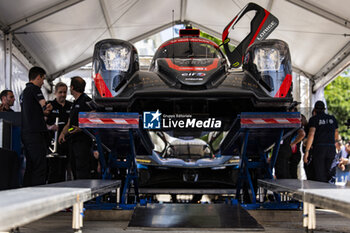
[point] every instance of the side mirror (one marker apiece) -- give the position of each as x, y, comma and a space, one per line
114, 62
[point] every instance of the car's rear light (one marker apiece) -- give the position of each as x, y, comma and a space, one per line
189, 32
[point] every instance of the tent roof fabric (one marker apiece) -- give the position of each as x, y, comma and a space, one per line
61, 34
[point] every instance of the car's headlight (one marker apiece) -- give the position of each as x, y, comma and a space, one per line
267, 59
269, 62
114, 63
116, 58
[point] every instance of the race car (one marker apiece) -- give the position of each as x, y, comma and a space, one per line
193, 90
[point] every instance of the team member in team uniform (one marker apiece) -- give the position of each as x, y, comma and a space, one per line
60, 109
322, 134
34, 131
80, 144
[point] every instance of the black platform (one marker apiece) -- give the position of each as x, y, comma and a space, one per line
193, 216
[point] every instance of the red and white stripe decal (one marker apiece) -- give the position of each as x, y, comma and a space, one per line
101, 86
259, 121
109, 121
192, 68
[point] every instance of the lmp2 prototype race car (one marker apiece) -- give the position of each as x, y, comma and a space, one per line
189, 98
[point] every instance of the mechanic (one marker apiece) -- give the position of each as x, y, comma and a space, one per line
7, 100
322, 135
80, 144
60, 109
34, 131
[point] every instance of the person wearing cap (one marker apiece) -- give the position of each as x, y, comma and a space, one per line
322, 135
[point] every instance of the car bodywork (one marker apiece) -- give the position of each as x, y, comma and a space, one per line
192, 75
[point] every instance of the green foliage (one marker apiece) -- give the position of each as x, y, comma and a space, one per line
215, 40
337, 95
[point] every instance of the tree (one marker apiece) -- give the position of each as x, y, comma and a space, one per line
216, 40
337, 95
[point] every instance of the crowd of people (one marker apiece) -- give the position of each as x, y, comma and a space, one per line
75, 158
321, 144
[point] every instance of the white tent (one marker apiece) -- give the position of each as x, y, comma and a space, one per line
60, 35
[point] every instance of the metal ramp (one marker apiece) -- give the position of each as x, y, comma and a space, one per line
187, 217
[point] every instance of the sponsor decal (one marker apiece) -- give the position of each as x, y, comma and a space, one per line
213, 65
186, 40
193, 79
270, 27
157, 120
193, 74
325, 121
236, 64
227, 41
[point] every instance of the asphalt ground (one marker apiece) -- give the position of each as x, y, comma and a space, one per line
118, 220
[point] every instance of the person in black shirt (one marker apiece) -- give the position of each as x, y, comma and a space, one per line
7, 100
34, 131
322, 134
60, 109
80, 144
